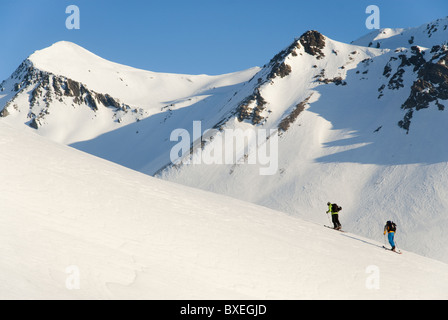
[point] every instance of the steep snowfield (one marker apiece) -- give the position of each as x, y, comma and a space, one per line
132, 236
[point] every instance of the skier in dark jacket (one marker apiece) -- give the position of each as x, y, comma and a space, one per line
334, 209
391, 229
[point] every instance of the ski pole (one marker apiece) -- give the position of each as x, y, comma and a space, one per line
328, 218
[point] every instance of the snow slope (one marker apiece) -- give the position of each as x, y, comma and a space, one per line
361, 126
132, 236
346, 146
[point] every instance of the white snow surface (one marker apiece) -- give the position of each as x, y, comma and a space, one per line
135, 237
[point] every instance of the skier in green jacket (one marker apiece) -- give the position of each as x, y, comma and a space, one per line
334, 209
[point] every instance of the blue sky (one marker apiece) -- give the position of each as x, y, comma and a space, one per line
193, 36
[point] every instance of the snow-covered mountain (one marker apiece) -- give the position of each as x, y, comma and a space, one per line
74, 226
361, 124
70, 95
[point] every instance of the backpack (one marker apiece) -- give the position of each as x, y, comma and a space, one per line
335, 208
392, 226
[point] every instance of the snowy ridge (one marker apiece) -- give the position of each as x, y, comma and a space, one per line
72, 95
135, 237
134, 86
427, 35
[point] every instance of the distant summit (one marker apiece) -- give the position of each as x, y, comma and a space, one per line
427, 35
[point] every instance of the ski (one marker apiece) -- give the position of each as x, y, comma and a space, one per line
397, 252
335, 229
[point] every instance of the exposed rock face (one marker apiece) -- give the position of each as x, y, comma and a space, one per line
45, 87
430, 86
337, 81
416, 60
281, 70
286, 122
429, 68
278, 65
313, 42
251, 108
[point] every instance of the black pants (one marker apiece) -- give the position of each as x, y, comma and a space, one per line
336, 223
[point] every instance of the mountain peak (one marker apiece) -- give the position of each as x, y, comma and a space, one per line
58, 49
61, 45
66, 58
313, 42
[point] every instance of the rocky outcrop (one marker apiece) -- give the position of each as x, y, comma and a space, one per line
280, 70
313, 43
430, 86
45, 87
287, 121
254, 106
415, 60
278, 67
251, 108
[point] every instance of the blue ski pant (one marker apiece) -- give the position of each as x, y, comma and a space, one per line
391, 239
